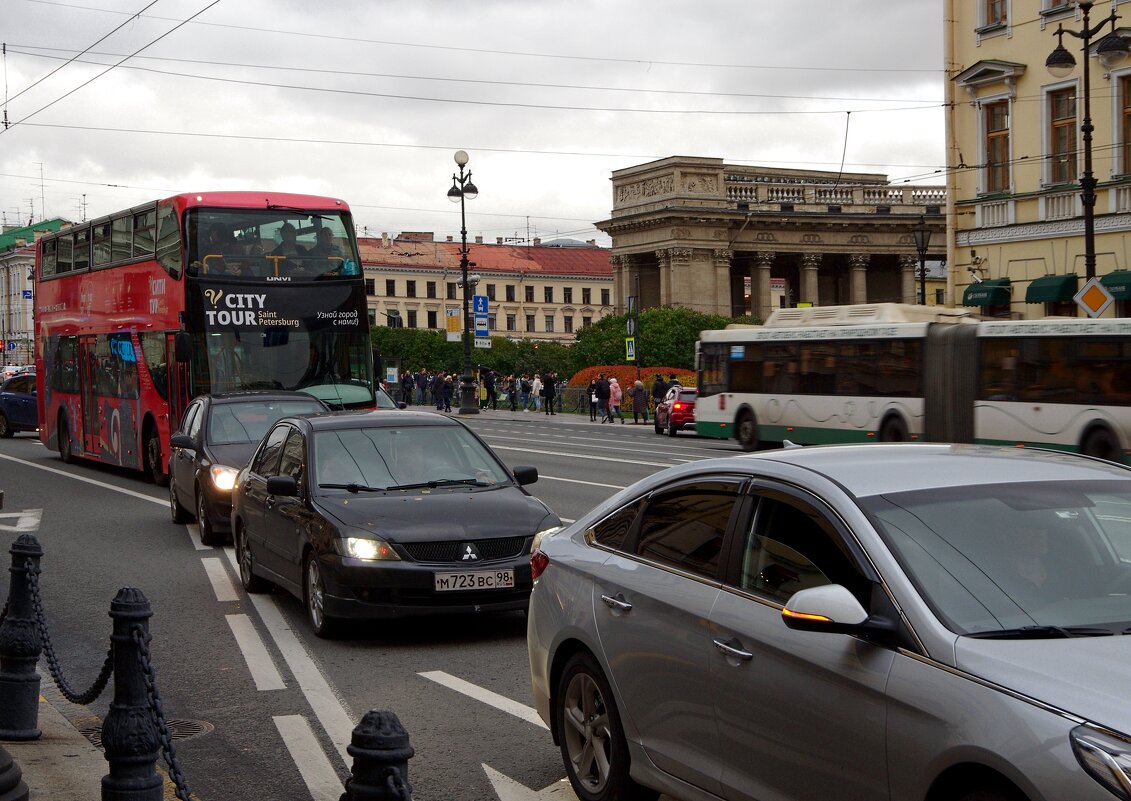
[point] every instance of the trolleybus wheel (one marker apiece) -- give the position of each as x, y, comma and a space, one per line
1101, 443
746, 431
893, 430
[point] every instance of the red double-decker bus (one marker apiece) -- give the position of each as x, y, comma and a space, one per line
138, 312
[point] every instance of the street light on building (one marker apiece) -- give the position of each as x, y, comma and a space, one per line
463, 189
1060, 63
922, 234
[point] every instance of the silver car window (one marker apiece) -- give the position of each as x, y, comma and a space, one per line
684, 526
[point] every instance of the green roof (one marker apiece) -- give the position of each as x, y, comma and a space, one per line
1052, 288
991, 292
13, 236
1118, 283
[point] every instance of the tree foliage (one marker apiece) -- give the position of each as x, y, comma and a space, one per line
664, 337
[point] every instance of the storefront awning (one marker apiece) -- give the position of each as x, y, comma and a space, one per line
1052, 289
1118, 283
991, 292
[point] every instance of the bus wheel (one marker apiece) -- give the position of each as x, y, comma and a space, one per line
893, 430
746, 431
64, 441
1101, 443
153, 457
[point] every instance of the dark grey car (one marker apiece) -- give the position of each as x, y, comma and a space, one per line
373, 515
905, 622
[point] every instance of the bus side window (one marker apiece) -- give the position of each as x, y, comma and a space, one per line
143, 233
50, 248
121, 238
168, 240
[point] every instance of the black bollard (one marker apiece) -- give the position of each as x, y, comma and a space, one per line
12, 785
129, 733
380, 751
20, 648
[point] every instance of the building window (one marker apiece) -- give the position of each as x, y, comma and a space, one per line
567, 294
390, 288
410, 289
490, 292
530, 323
512, 322
510, 293
548, 294
568, 326
1125, 122
605, 297
372, 317
492, 323
412, 319
995, 12
586, 296
549, 323
452, 290
1062, 135
997, 146
370, 286
431, 289
529, 294
586, 322
432, 320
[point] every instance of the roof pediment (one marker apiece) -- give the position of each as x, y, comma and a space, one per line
989, 72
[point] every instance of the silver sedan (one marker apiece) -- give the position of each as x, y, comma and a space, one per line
908, 622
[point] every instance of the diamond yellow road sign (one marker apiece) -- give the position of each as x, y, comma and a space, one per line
1094, 298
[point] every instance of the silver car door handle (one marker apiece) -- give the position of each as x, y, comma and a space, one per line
616, 603
729, 650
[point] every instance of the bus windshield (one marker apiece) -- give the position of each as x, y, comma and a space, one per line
273, 244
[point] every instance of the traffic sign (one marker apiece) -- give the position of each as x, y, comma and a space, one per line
483, 342
27, 294
630, 349
1094, 298
455, 332
479, 304
11, 344
481, 329
630, 326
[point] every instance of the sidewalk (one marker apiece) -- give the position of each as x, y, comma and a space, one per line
62, 765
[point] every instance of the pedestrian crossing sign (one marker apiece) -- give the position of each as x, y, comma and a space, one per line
630, 349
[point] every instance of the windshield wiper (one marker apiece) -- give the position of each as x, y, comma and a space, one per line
441, 482
1043, 633
351, 487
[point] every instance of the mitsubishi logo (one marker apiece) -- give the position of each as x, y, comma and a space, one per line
470, 554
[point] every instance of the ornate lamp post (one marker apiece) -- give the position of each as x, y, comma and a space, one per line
922, 236
1060, 63
463, 189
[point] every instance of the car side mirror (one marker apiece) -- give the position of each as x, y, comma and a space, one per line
525, 474
831, 609
182, 441
282, 485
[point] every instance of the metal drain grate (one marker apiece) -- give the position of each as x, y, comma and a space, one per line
178, 729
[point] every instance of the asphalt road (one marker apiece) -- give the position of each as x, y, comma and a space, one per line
277, 704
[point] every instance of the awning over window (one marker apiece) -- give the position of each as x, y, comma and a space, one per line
1052, 289
1118, 283
991, 292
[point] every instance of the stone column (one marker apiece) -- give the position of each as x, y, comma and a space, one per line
761, 300
809, 264
673, 261
621, 288
858, 287
664, 266
721, 258
907, 267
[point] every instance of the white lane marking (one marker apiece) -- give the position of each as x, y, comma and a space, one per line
579, 481
317, 773
222, 583
500, 702
330, 711
194, 535
259, 663
27, 520
507, 789
102, 484
619, 459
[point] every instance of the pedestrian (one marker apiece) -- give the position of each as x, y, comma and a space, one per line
639, 402
512, 391
591, 392
551, 390
616, 395
526, 388
603, 395
407, 385
659, 390
421, 386
538, 392
492, 397
449, 389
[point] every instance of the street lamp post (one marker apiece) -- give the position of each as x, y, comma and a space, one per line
1060, 63
922, 236
463, 189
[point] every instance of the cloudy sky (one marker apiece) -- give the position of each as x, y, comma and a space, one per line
110, 103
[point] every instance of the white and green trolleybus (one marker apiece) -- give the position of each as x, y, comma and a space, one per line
892, 372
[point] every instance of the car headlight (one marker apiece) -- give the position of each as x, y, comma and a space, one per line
370, 549
1105, 757
223, 477
538, 537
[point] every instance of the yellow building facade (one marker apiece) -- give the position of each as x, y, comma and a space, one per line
1015, 157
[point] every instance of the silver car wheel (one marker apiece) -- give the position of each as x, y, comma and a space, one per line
588, 737
315, 592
